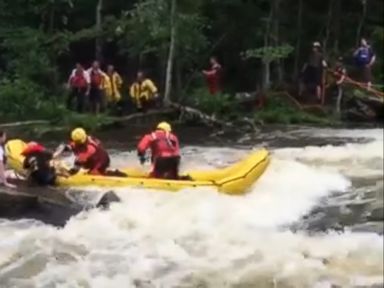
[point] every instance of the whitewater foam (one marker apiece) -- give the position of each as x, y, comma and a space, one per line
200, 238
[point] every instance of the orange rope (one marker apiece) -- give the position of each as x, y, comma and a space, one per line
359, 84
297, 103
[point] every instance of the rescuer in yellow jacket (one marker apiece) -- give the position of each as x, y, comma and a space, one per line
144, 93
113, 85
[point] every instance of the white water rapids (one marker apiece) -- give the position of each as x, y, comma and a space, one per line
199, 238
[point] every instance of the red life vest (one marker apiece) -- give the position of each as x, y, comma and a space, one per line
213, 79
32, 147
96, 78
78, 80
164, 144
90, 154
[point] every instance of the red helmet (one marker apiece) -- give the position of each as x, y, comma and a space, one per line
31, 148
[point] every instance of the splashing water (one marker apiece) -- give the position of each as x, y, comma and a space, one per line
199, 238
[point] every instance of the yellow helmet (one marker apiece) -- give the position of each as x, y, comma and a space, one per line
79, 135
164, 126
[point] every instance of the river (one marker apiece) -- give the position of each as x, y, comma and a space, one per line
307, 222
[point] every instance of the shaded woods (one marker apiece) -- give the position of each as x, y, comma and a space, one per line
260, 44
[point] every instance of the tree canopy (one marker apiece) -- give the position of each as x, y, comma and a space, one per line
42, 39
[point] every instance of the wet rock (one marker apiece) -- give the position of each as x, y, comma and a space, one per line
13, 202
377, 214
371, 227
107, 199
45, 206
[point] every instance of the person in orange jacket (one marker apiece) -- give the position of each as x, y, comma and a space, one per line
164, 146
88, 151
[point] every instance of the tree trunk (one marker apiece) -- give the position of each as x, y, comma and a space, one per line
362, 21
172, 44
99, 43
266, 62
298, 39
276, 38
51, 20
179, 80
266, 75
336, 27
328, 26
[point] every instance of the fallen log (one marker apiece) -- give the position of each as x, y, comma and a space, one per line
141, 115
205, 118
24, 123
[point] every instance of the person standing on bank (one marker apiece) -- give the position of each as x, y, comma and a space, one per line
313, 72
340, 73
79, 84
364, 59
213, 76
113, 85
144, 93
3, 162
97, 83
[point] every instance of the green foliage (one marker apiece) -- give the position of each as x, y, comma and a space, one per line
21, 99
149, 24
279, 111
88, 121
269, 54
41, 39
221, 105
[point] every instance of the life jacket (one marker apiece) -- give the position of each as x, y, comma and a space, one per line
363, 56
96, 78
78, 80
164, 144
213, 79
112, 87
145, 89
90, 154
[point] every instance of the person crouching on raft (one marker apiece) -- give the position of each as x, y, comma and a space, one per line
38, 162
88, 151
164, 146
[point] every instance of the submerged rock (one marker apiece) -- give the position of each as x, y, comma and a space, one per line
371, 227
377, 214
108, 198
13, 202
46, 207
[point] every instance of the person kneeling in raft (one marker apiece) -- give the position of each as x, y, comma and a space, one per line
164, 146
89, 153
39, 164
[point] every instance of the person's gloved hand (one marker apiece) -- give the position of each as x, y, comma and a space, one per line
73, 171
75, 168
142, 159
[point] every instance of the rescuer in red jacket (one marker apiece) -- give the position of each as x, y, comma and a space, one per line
88, 151
165, 150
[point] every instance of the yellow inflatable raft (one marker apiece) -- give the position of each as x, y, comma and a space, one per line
235, 179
